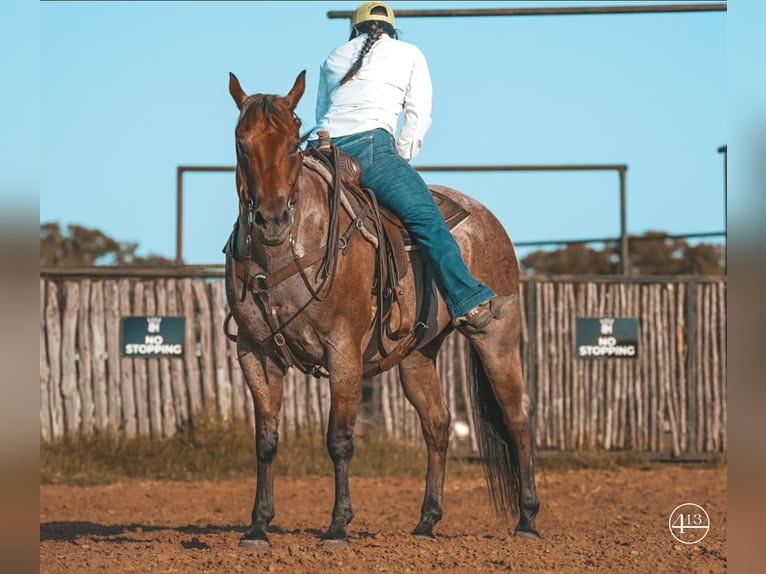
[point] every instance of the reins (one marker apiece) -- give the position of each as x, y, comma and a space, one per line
329, 265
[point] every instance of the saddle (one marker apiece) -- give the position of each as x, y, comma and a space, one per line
394, 320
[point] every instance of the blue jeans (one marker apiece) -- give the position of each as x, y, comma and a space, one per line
399, 187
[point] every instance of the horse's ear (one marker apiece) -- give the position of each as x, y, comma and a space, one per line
297, 90
236, 90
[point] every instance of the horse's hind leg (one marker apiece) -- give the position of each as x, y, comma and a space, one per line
420, 382
265, 384
498, 351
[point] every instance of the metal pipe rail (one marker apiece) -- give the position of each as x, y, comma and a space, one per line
552, 11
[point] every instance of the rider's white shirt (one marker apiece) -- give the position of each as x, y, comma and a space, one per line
394, 77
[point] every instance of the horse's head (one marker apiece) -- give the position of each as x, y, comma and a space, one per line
269, 157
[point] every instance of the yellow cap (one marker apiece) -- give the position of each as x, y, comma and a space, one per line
363, 13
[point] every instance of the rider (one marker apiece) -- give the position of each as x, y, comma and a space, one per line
364, 85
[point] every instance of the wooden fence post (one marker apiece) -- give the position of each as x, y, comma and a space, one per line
70, 396
691, 366
45, 369
127, 385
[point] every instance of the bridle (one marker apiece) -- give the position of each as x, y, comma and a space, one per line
249, 202
328, 251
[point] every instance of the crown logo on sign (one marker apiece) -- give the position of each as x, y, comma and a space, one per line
153, 324
607, 325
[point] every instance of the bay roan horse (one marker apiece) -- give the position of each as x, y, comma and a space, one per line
301, 297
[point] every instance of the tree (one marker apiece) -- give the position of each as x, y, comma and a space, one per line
703, 259
84, 247
654, 253
574, 259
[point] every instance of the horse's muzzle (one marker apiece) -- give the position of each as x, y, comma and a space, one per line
270, 229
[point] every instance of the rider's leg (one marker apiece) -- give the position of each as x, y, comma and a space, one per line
399, 187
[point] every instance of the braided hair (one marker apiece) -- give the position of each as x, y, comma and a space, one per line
374, 30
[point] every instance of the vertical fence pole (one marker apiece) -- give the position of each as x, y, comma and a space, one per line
179, 215
531, 350
691, 364
624, 257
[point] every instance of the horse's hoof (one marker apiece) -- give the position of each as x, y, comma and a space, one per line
257, 543
527, 534
423, 534
257, 540
338, 543
429, 537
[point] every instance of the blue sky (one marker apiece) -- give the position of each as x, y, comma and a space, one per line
129, 91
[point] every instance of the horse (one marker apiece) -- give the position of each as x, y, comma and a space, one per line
303, 295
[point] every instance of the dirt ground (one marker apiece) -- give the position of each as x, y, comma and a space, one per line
590, 521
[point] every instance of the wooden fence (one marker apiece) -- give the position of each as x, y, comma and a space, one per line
671, 398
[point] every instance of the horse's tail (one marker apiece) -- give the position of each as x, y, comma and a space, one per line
496, 446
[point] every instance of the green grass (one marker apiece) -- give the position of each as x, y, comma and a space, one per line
211, 449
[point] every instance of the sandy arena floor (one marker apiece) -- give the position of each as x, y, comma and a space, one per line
590, 521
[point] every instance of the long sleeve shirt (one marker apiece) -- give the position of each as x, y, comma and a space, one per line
393, 78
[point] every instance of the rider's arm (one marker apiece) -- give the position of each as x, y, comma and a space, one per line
417, 109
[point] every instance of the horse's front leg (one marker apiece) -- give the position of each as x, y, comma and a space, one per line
345, 395
265, 382
420, 382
